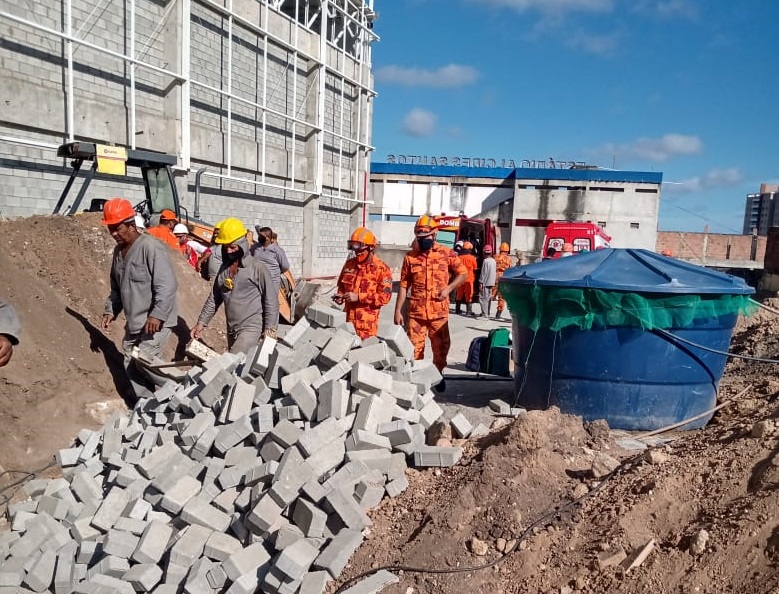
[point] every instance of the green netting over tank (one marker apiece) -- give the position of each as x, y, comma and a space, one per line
536, 306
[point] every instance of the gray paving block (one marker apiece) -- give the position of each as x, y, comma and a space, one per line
285, 433
155, 458
12, 571
197, 578
286, 535
295, 559
398, 432
261, 362
369, 493
307, 375
327, 458
119, 543
309, 518
232, 434
372, 411
132, 525
189, 546
204, 443
64, 575
220, 546
312, 440
396, 486
241, 400
246, 584
271, 450
333, 399
217, 577
500, 406
337, 371
143, 577
348, 509
337, 553
113, 505
314, 582
68, 456
194, 429
366, 440
405, 393
245, 561
337, 349
461, 426
295, 334
153, 543
325, 316
377, 355
365, 377
396, 338
197, 511
437, 456
430, 413
265, 515
305, 397
292, 473
373, 459
41, 574
175, 498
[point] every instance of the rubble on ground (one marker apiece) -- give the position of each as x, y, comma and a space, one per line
254, 472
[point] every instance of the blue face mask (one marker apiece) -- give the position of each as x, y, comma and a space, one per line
425, 243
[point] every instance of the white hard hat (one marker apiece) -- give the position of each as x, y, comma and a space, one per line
180, 229
139, 222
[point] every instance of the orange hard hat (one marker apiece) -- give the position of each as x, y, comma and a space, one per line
487, 249
504, 247
117, 210
425, 225
567, 247
167, 215
467, 245
362, 237
668, 253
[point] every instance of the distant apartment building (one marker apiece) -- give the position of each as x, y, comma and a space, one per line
761, 211
521, 201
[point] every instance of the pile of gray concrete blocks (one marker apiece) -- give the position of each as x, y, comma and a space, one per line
254, 474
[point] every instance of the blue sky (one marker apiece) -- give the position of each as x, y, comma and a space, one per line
689, 88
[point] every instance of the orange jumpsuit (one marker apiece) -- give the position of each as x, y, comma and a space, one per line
465, 290
164, 234
372, 281
502, 262
426, 274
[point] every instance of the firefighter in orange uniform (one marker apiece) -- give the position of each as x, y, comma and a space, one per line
364, 285
424, 282
465, 290
502, 263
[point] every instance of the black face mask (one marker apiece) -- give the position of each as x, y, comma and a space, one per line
262, 240
425, 243
230, 257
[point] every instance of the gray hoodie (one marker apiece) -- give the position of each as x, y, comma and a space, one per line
251, 303
10, 325
143, 284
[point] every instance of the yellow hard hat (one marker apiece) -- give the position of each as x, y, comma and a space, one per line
504, 247
229, 231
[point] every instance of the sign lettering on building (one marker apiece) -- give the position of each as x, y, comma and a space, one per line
485, 162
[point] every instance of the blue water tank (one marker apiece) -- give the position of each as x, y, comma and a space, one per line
633, 378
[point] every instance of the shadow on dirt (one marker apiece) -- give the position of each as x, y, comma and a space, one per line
114, 359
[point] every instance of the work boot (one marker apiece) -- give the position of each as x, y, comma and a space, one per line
469, 309
458, 307
498, 314
440, 386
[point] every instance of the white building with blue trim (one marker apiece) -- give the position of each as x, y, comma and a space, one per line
520, 201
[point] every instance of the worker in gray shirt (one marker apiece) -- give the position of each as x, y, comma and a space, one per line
271, 254
10, 328
245, 287
487, 281
143, 286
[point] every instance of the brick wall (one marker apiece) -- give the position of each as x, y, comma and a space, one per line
710, 246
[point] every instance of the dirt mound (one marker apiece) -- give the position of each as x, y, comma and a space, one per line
532, 500
67, 373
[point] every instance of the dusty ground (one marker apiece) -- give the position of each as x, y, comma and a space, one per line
706, 502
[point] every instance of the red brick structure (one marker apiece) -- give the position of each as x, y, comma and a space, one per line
712, 247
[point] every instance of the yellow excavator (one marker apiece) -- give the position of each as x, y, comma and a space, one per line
161, 194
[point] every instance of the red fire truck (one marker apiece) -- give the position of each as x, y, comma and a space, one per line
582, 236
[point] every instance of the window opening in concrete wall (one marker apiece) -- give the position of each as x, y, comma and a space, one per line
602, 224
634, 225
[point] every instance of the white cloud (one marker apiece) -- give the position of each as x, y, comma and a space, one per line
450, 76
654, 149
716, 178
419, 122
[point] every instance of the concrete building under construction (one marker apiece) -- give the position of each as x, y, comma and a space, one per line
522, 200
267, 105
